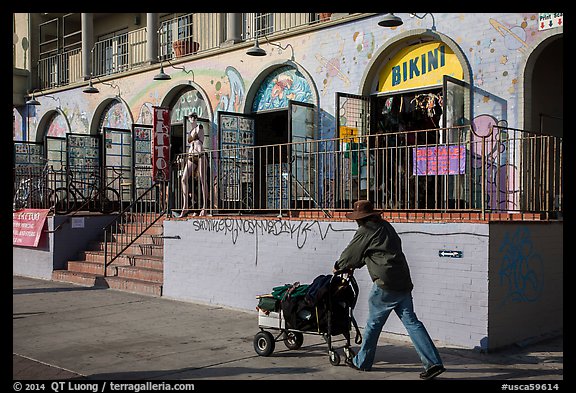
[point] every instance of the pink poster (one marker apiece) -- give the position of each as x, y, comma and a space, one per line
439, 160
161, 145
27, 226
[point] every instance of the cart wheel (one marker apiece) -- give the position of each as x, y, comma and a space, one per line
264, 343
349, 352
334, 358
293, 340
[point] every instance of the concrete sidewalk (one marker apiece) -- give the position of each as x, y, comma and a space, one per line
63, 331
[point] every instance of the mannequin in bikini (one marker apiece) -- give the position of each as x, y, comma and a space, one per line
195, 166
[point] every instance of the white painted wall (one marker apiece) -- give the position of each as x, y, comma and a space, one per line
229, 262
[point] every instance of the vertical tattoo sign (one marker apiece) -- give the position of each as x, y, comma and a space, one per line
161, 145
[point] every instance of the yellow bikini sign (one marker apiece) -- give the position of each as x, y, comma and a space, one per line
419, 66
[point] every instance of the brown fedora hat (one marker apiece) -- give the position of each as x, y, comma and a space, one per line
362, 208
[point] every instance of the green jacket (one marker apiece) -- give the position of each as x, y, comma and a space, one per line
378, 246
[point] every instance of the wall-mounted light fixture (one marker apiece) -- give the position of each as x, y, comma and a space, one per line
257, 51
423, 16
390, 20
162, 76
90, 89
35, 102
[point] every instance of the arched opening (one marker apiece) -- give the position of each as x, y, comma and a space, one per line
546, 99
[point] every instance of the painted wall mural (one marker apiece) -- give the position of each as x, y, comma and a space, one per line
282, 85
116, 116
501, 177
334, 66
229, 99
58, 126
496, 46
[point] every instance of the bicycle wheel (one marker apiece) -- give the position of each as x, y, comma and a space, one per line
19, 200
62, 200
110, 200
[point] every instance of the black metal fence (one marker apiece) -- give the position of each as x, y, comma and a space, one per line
455, 169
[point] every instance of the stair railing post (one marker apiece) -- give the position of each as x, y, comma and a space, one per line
105, 250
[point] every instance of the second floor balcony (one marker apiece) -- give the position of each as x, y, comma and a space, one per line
179, 36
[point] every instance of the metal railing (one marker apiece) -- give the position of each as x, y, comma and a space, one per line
33, 187
133, 221
190, 34
121, 53
452, 169
265, 23
60, 69
179, 36
87, 188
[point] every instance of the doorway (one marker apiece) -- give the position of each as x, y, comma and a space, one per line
271, 130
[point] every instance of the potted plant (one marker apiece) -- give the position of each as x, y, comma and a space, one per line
180, 47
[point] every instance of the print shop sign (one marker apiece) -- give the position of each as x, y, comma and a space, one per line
418, 66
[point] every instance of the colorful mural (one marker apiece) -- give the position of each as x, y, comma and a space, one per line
117, 116
58, 126
496, 46
282, 85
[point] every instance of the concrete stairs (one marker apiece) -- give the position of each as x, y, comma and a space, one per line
139, 269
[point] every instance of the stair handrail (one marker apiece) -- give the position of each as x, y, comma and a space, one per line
112, 229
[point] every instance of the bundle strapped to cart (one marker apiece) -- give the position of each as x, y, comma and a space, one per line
324, 307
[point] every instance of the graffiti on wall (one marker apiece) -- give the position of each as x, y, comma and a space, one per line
332, 68
500, 174
298, 231
520, 273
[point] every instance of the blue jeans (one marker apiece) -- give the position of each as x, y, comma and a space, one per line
380, 304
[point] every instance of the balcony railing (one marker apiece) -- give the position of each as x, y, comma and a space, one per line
180, 36
60, 69
437, 170
119, 54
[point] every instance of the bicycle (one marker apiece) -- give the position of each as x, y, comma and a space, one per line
105, 199
33, 193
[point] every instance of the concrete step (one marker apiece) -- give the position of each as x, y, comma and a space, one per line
113, 282
139, 273
98, 257
94, 268
85, 279
139, 269
132, 228
146, 261
146, 238
142, 218
133, 249
134, 286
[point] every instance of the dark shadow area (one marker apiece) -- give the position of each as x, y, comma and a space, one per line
20, 315
27, 291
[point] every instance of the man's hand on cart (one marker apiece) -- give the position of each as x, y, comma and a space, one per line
337, 271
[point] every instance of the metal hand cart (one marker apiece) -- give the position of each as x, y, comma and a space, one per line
265, 341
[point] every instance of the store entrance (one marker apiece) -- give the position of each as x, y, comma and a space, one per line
271, 130
405, 121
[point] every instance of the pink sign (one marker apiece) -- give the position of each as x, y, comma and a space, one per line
27, 225
439, 160
161, 144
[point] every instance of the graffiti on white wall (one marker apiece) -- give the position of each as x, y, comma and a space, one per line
520, 273
298, 231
